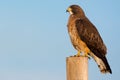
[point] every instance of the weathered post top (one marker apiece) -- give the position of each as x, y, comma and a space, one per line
77, 68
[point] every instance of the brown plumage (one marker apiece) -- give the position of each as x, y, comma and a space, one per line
86, 38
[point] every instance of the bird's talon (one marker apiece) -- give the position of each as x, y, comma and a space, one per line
77, 55
86, 55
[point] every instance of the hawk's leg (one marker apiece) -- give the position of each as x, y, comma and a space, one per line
86, 53
78, 54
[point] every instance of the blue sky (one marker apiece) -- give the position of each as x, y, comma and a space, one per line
34, 41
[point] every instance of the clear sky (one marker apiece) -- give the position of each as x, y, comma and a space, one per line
34, 41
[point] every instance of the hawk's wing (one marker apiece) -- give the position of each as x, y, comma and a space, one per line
89, 34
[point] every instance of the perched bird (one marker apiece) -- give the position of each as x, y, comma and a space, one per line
86, 38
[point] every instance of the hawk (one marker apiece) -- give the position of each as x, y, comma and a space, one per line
86, 38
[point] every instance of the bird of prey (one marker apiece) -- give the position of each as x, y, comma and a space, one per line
86, 38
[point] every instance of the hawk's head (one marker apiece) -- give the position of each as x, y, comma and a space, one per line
75, 10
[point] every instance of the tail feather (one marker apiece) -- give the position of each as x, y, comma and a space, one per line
102, 63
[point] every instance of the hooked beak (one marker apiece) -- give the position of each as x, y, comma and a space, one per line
66, 10
69, 10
